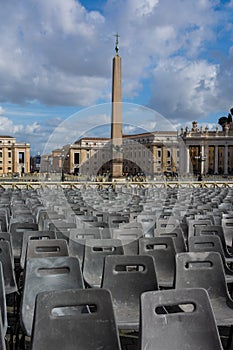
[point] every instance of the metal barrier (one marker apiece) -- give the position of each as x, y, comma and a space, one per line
19, 185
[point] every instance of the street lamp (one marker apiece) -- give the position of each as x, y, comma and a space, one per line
62, 166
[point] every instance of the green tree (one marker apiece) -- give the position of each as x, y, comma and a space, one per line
229, 118
223, 120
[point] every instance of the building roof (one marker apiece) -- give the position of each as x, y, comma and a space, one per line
146, 134
6, 137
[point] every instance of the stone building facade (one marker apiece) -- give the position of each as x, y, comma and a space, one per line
14, 156
207, 152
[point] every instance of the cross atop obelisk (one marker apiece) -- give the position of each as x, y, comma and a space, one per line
116, 121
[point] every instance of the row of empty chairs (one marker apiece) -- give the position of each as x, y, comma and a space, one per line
138, 263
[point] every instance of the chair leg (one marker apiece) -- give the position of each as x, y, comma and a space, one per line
229, 340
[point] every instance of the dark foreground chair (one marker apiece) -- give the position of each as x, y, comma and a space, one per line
163, 251
178, 320
46, 274
205, 270
75, 319
127, 277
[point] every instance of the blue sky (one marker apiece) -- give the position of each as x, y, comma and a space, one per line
56, 57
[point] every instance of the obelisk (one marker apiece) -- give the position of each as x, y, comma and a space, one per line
116, 120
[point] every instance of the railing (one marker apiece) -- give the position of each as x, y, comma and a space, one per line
115, 185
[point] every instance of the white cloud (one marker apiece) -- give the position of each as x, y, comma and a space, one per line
185, 88
58, 53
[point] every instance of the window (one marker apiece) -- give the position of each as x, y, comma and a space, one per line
76, 158
21, 157
0, 154
9, 154
168, 154
159, 153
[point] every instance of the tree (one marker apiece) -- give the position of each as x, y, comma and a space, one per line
223, 120
229, 118
231, 110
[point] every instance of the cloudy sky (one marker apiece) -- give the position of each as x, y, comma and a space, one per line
56, 57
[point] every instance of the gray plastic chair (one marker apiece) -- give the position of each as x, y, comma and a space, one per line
227, 225
214, 230
17, 229
3, 307
169, 224
211, 244
8, 267
95, 252
47, 274
77, 248
193, 224
147, 221
85, 233
47, 248
163, 251
129, 238
62, 321
127, 277
205, 270
178, 320
177, 236
61, 228
33, 235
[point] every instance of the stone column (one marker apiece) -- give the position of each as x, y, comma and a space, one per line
226, 159
174, 159
187, 160
206, 165
164, 158
202, 155
216, 159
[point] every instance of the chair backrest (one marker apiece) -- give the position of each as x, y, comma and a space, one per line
30, 236
115, 220
167, 225
193, 224
206, 243
129, 238
3, 306
213, 230
95, 252
75, 319
177, 235
8, 267
77, 248
227, 225
201, 270
46, 274
61, 228
85, 233
17, 230
178, 319
148, 223
163, 251
46, 248
127, 277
